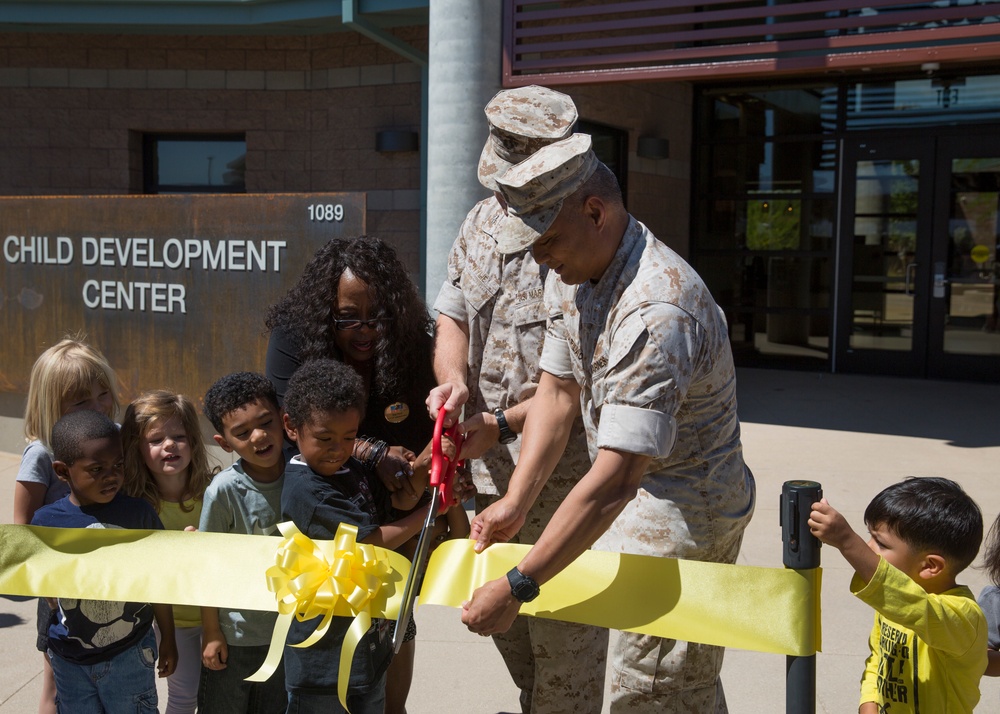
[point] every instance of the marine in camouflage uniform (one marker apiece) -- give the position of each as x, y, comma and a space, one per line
498, 299
649, 350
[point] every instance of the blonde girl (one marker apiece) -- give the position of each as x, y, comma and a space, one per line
67, 377
167, 464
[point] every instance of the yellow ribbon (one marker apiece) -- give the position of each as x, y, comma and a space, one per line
301, 577
762, 609
206, 569
324, 579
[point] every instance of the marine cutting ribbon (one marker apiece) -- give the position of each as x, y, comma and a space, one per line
763, 609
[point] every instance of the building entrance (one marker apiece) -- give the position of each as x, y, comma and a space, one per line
917, 274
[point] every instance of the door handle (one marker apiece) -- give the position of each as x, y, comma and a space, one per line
940, 281
907, 284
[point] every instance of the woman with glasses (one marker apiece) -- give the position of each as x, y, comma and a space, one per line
355, 302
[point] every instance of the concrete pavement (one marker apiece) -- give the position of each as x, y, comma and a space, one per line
854, 435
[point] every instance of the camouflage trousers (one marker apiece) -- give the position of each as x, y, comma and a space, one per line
559, 667
651, 674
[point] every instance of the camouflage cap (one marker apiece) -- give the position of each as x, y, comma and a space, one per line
536, 188
522, 121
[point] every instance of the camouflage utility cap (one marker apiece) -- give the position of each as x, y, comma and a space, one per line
536, 188
522, 121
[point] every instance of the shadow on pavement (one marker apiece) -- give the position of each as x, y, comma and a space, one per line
9, 620
962, 414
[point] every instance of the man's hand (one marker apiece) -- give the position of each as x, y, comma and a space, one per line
492, 608
827, 524
215, 651
451, 395
498, 523
395, 469
481, 432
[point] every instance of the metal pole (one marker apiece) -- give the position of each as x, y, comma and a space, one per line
465, 40
801, 552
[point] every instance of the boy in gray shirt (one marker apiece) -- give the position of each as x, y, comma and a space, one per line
245, 498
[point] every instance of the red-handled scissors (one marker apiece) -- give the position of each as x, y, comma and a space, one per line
442, 482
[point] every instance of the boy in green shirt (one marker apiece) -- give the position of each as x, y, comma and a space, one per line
244, 498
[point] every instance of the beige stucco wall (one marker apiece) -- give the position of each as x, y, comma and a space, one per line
659, 191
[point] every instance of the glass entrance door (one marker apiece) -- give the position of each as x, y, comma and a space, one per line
964, 328
884, 250
918, 277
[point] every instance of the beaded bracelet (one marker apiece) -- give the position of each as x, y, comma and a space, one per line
376, 449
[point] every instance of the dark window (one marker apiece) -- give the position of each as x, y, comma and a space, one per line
764, 216
923, 101
611, 146
194, 163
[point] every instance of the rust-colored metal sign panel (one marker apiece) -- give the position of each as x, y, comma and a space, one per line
172, 289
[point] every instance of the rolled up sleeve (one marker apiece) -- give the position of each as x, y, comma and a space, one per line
556, 359
451, 302
637, 431
650, 367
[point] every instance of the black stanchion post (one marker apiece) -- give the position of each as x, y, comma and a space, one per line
801, 552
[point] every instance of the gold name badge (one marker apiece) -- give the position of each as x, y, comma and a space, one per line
397, 412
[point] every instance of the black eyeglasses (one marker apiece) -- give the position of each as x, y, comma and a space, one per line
355, 324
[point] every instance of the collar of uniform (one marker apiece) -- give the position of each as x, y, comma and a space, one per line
594, 299
493, 218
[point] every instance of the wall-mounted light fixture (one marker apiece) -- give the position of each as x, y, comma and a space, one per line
652, 147
395, 140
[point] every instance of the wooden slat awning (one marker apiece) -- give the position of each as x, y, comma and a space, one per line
584, 41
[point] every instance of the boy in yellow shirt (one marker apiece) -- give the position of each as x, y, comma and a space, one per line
928, 644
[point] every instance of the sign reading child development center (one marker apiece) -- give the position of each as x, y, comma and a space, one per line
173, 289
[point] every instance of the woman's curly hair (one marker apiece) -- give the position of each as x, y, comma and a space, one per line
308, 309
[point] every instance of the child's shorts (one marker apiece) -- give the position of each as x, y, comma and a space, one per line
46, 616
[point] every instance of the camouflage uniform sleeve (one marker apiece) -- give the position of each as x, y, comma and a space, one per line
450, 300
652, 359
556, 354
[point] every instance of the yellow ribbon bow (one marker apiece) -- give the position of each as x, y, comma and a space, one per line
340, 577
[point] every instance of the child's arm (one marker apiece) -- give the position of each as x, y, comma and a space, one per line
829, 526
407, 499
28, 498
458, 522
34, 477
214, 649
419, 475
392, 535
989, 603
870, 676
167, 663
992, 663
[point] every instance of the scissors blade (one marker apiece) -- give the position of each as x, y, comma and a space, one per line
416, 570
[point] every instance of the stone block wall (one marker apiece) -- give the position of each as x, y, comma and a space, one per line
76, 107
659, 190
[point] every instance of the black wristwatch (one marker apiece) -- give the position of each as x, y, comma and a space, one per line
506, 435
522, 587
